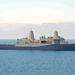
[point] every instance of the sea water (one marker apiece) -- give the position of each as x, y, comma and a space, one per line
34, 62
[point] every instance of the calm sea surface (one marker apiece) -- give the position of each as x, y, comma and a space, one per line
27, 62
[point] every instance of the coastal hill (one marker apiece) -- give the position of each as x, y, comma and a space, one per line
14, 31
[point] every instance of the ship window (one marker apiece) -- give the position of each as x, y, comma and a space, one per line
43, 41
48, 37
51, 37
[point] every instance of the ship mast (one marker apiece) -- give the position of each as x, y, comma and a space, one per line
31, 35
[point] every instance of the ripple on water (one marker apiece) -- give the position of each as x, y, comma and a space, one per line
14, 62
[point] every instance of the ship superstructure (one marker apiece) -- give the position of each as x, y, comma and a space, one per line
32, 42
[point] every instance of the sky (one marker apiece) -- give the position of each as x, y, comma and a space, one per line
15, 14
36, 11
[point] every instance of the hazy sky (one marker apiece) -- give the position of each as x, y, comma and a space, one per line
16, 14
36, 11
14, 31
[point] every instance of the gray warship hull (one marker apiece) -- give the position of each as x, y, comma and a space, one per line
52, 47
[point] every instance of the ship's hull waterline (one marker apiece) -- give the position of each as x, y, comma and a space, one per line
52, 47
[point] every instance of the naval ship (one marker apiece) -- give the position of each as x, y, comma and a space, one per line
55, 42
